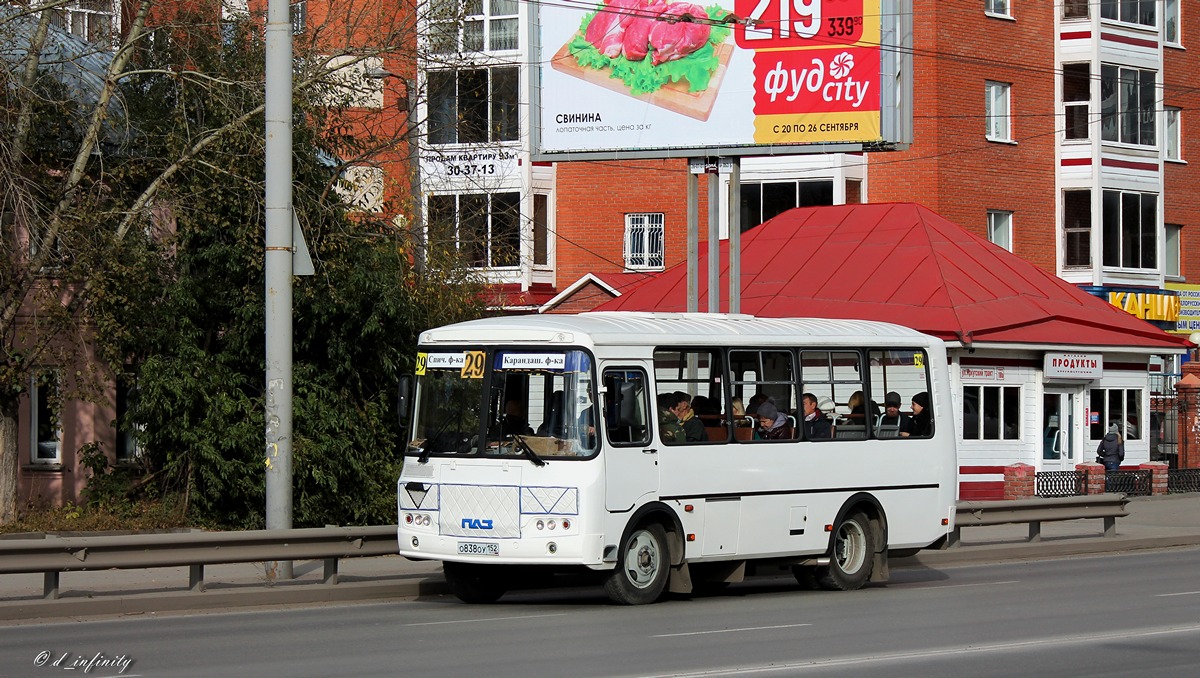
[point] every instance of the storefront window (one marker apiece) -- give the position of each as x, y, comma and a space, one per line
991, 412
1120, 407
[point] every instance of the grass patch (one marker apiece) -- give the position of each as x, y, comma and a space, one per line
128, 516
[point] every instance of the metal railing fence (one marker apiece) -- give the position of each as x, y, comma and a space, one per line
1132, 483
1060, 483
1183, 480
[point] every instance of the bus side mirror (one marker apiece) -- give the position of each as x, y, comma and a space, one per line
403, 402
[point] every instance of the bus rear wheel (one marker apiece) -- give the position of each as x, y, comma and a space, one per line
852, 556
475, 584
643, 564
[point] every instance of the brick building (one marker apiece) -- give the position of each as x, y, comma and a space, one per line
1055, 130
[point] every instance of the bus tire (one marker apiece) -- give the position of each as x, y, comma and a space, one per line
643, 564
474, 584
851, 556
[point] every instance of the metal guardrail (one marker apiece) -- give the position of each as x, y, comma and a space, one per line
53, 555
1109, 507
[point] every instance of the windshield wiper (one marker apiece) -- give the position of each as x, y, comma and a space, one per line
527, 450
423, 458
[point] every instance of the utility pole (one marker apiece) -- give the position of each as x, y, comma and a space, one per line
278, 274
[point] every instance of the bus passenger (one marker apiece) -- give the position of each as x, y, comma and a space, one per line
892, 419
693, 428
668, 424
756, 400
922, 419
514, 420
773, 424
816, 424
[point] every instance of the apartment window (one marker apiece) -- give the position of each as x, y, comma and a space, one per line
91, 20
541, 230
991, 412
1171, 129
1116, 406
1077, 229
766, 200
996, 7
997, 107
474, 26
1174, 232
1130, 11
999, 228
1127, 105
644, 241
1171, 21
1130, 229
473, 105
483, 229
1077, 97
1076, 9
45, 413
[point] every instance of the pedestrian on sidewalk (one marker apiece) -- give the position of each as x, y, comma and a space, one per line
1111, 451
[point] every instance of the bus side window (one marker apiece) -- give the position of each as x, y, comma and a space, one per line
896, 377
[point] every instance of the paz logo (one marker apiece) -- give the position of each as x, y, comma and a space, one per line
477, 523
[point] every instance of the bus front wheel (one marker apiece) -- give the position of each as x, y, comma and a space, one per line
472, 583
642, 567
852, 556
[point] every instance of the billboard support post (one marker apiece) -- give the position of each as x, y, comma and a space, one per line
714, 242
693, 242
735, 235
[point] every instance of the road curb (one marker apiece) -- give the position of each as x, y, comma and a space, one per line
1038, 550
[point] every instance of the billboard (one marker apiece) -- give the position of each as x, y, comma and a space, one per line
659, 78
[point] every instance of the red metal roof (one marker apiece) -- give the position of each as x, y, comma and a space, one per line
902, 263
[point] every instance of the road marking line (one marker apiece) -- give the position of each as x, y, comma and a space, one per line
959, 586
749, 628
488, 619
1000, 647
1185, 593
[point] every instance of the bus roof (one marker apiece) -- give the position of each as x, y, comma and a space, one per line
630, 327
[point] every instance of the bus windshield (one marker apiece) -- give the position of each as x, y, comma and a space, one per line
505, 402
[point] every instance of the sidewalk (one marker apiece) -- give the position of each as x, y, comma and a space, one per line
1154, 522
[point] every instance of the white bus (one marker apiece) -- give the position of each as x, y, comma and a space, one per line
540, 441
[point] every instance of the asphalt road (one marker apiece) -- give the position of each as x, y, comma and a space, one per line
1118, 615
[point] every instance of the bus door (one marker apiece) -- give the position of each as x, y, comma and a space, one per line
1062, 429
630, 453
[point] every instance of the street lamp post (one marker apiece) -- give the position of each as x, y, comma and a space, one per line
278, 275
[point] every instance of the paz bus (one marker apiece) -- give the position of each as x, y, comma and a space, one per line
539, 444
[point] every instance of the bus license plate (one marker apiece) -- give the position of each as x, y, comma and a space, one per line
472, 548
